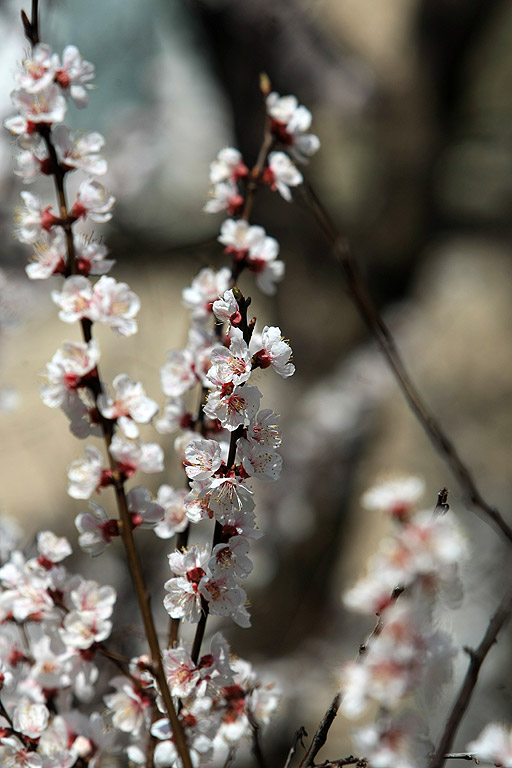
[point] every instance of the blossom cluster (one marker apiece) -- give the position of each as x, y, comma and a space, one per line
230, 442
238, 439
53, 626
405, 653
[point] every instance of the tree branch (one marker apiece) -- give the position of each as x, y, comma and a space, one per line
369, 313
476, 659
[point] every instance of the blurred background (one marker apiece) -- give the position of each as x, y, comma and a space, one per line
412, 102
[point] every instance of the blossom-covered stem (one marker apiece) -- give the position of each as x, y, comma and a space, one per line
320, 736
144, 600
58, 176
369, 313
476, 659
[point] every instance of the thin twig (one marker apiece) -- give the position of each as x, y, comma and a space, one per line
461, 756
369, 313
299, 735
256, 744
350, 760
320, 736
476, 659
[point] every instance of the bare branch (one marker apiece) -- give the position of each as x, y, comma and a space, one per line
476, 660
369, 313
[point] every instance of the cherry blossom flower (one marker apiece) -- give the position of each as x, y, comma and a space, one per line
52, 549
175, 519
206, 288
72, 362
75, 299
85, 476
75, 74
178, 374
231, 558
202, 459
275, 352
45, 106
281, 174
96, 529
133, 455
130, 405
144, 510
116, 305
38, 71
231, 365
184, 598
226, 309
224, 197
93, 202
235, 408
228, 165
30, 719
396, 497
32, 219
81, 152
174, 416
259, 461
130, 707
290, 121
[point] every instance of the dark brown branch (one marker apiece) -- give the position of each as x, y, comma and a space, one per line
369, 313
320, 736
476, 659
461, 756
297, 738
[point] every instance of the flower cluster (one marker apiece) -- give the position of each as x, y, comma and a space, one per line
53, 626
419, 560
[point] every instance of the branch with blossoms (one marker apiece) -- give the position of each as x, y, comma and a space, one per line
184, 705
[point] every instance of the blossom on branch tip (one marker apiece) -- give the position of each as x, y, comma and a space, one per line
290, 123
